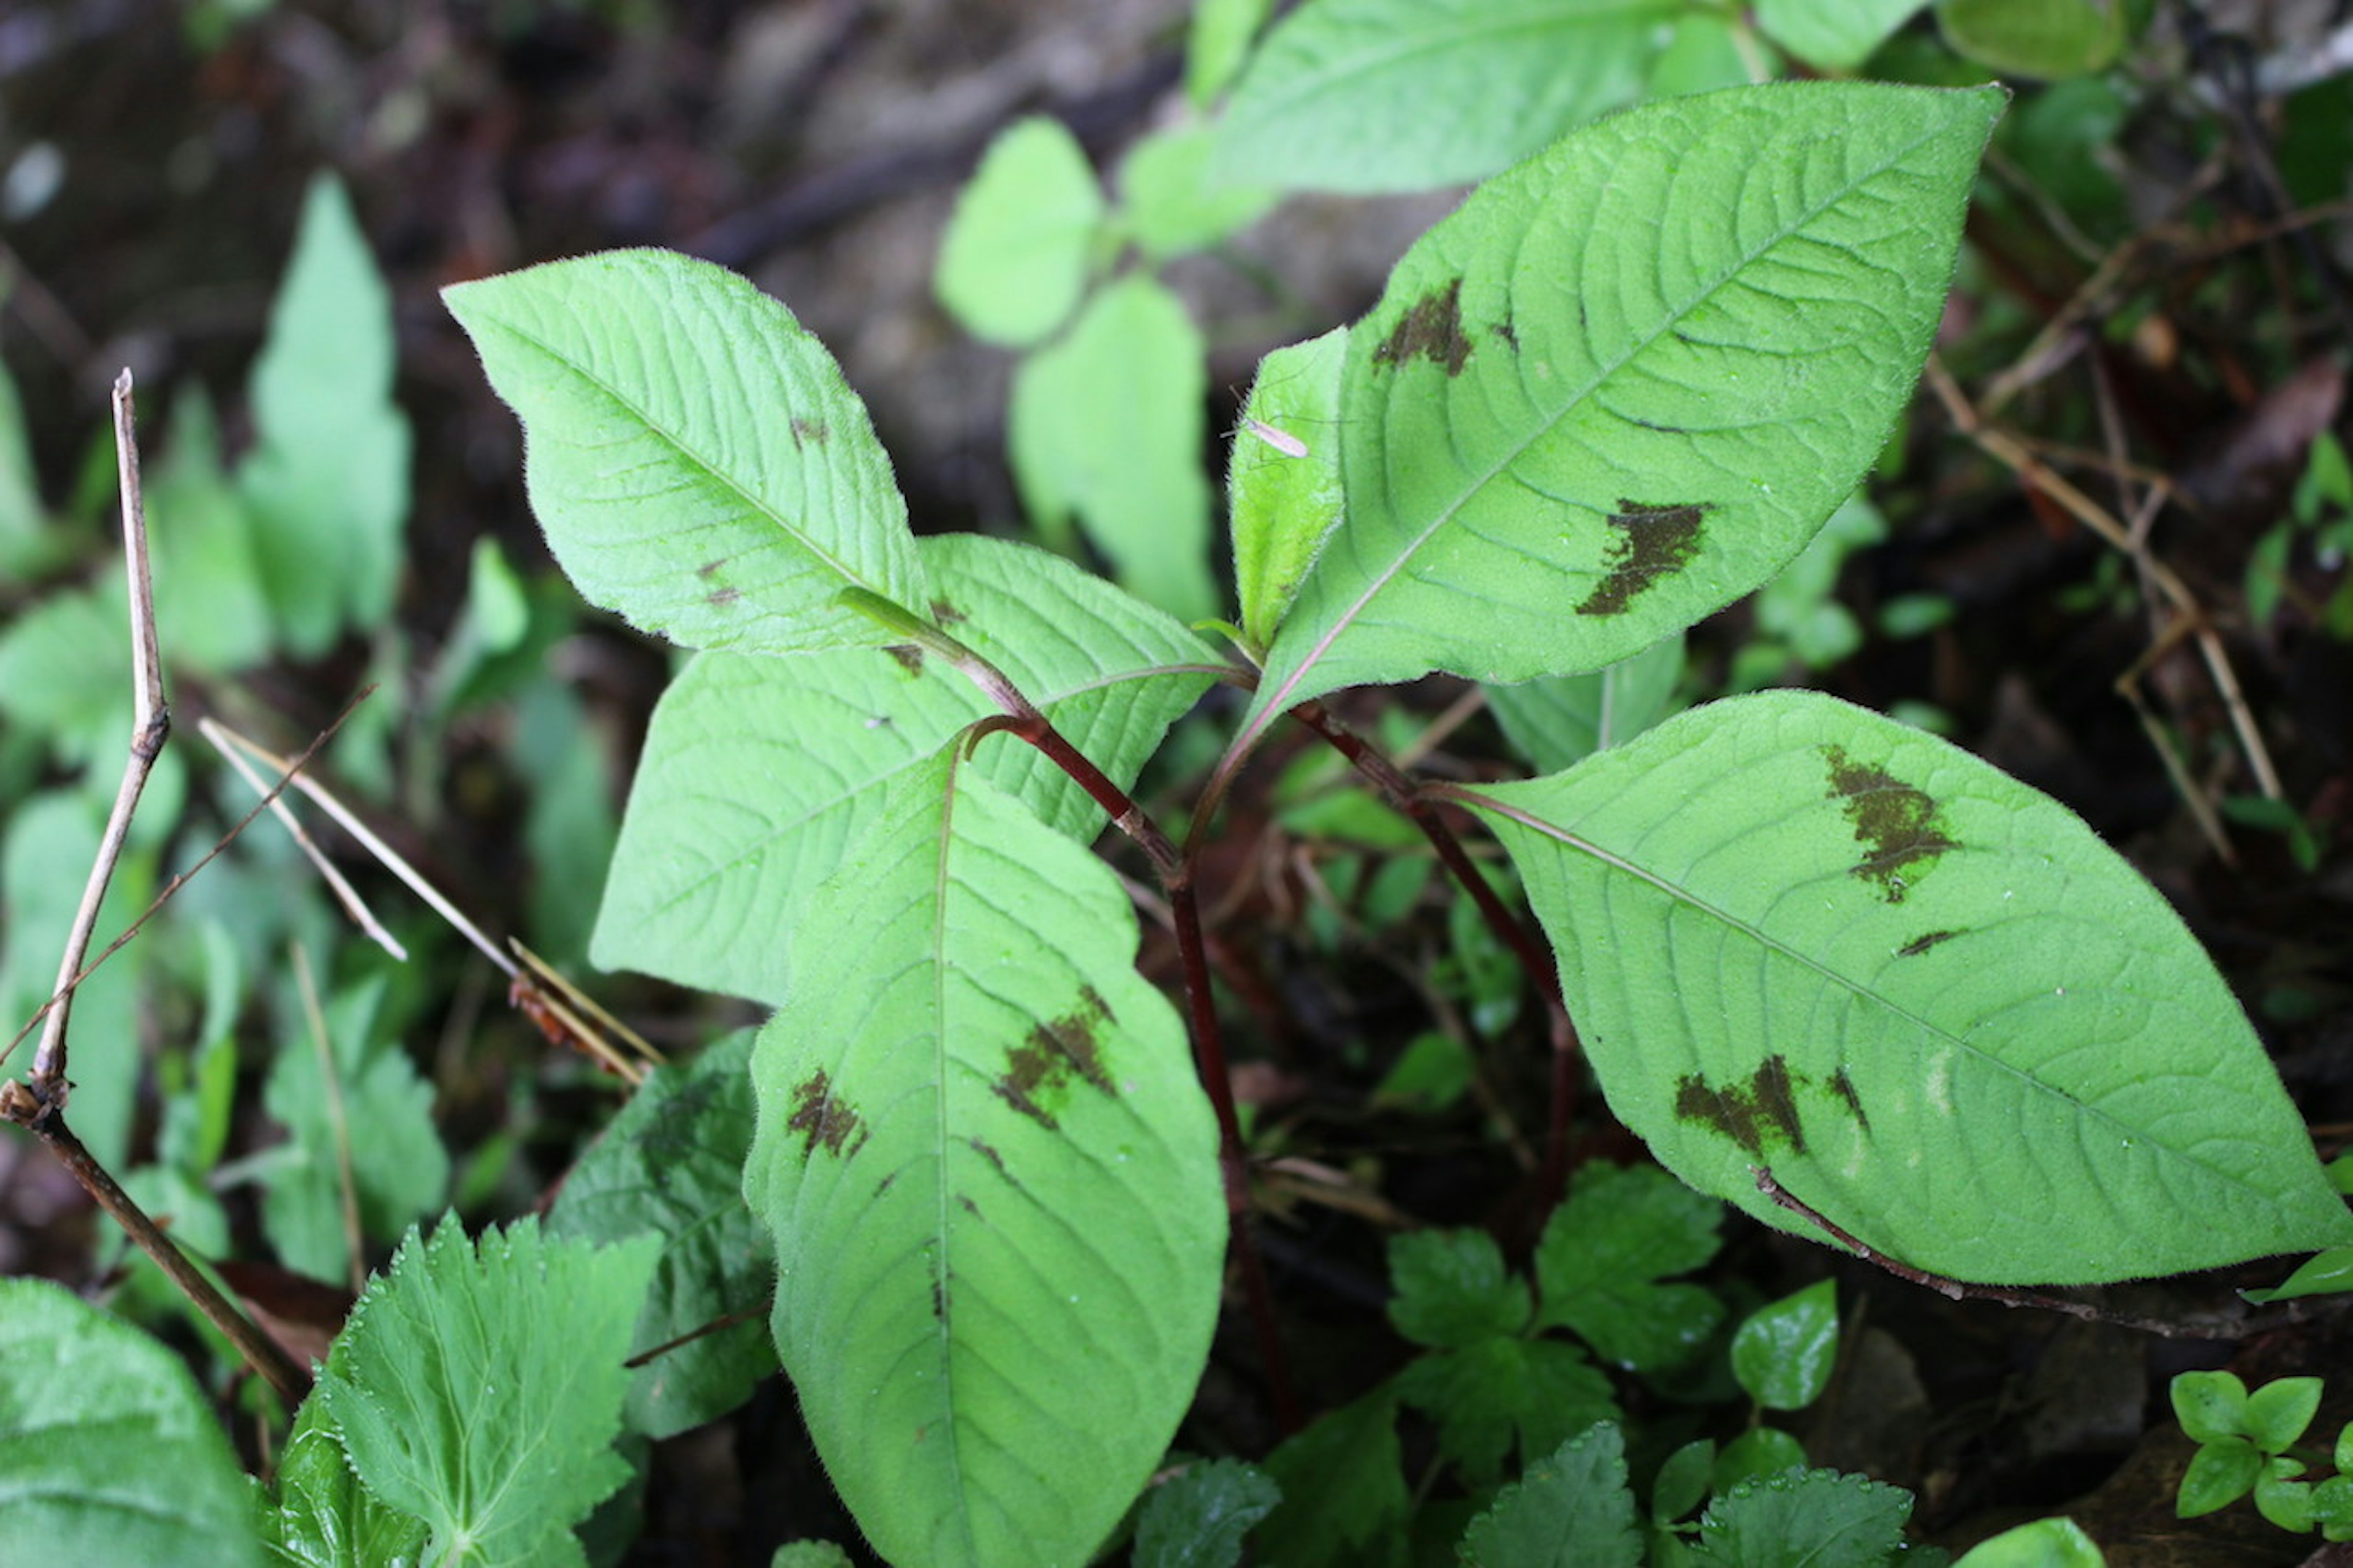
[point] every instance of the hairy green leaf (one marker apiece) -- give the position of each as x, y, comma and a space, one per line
1452, 1289
671, 1166
1573, 1510
1283, 487
109, 1455
1627, 381
1015, 259
1556, 719
760, 777
328, 477
481, 1389
1798, 935
1838, 34
1812, 1519
1106, 426
991, 1174
321, 1517
695, 456
1605, 1251
1399, 95
1197, 1518
1491, 1395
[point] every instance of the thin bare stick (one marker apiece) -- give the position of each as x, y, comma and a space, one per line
151, 723
345, 894
339, 1120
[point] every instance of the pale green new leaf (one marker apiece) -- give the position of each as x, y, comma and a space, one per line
1556, 719
212, 607
2045, 1543
1627, 381
328, 478
1573, 1510
321, 1517
480, 1389
2046, 38
1218, 43
1837, 35
992, 1178
671, 1166
695, 456
1017, 253
110, 1455
1170, 204
759, 776
1399, 95
1106, 426
1283, 488
1798, 935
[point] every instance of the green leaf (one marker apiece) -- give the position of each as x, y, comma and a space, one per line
1709, 51
481, 1389
1782, 1353
1216, 45
1756, 1453
109, 1457
212, 606
1797, 934
809, 1554
697, 460
1571, 1510
1399, 95
2045, 1543
2046, 38
2319, 1275
1170, 204
2220, 1474
1683, 1481
1197, 1518
2210, 1405
991, 1174
2279, 1411
1452, 1289
1283, 486
26, 544
66, 659
760, 777
1489, 1394
1016, 257
2282, 1498
1626, 381
321, 1517
1837, 35
1813, 1518
327, 481
1343, 1497
1604, 1252
1557, 720
1106, 426
671, 1166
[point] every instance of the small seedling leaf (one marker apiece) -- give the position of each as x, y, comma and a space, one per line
1836, 35
1168, 201
671, 1166
991, 1176
2045, 1543
1605, 1251
695, 456
2282, 1498
1683, 1481
1760, 1452
2322, 1274
479, 1387
2220, 1474
1452, 1289
1801, 936
108, 1453
2278, 1411
1017, 253
1812, 1519
1626, 381
1782, 1353
2050, 39
1197, 1518
1498, 1392
2210, 1405
1573, 1510
1219, 44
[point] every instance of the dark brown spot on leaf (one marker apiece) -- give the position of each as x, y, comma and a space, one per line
947, 614
1747, 1113
987, 1150
1652, 542
810, 432
1843, 1086
1924, 941
1039, 1071
708, 567
723, 596
1900, 828
1432, 328
970, 1207
819, 1117
1507, 333
909, 656
940, 1298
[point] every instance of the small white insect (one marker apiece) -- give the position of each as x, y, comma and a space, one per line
1282, 441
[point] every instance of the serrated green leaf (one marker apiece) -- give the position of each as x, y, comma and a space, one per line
1813, 1518
1797, 934
760, 775
479, 1388
695, 456
991, 1174
1284, 500
327, 481
1782, 1353
1106, 426
1558, 719
1017, 253
1626, 381
320, 1516
1837, 35
1343, 1497
1170, 205
1538, 1392
1197, 1518
1217, 44
2220, 1474
2279, 1411
671, 1166
1571, 1510
2045, 1543
1400, 95
2045, 39
109, 1457
2210, 1405
1605, 1251
1452, 1289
